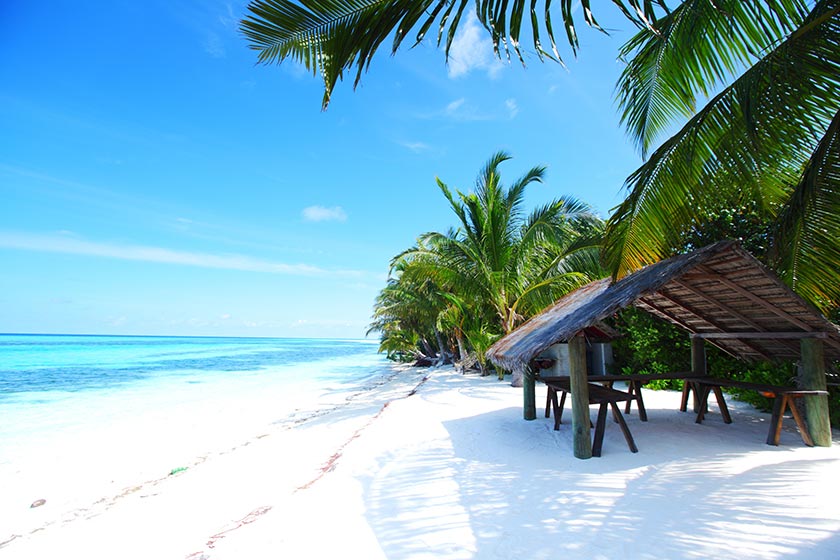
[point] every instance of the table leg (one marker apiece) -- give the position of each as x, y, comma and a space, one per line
600, 425
803, 428
550, 399
701, 398
779, 405
685, 393
640, 402
558, 409
624, 429
724, 410
631, 387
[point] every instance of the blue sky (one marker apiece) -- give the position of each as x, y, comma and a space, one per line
155, 180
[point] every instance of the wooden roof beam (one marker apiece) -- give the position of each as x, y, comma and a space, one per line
754, 298
714, 324
706, 297
679, 322
671, 317
757, 300
764, 335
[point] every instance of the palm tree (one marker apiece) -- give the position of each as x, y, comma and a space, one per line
406, 315
502, 265
769, 138
331, 37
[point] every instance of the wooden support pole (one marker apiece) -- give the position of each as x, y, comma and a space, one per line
812, 378
529, 394
698, 357
698, 365
578, 381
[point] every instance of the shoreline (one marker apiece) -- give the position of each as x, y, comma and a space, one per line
92, 477
436, 463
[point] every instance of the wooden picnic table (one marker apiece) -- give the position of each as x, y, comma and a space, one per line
600, 395
784, 399
634, 387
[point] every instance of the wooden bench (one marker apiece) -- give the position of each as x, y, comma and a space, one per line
784, 399
600, 395
634, 387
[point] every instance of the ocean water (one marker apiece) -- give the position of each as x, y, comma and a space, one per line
81, 409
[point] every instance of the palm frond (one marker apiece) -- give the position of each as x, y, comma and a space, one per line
808, 230
693, 49
333, 36
754, 138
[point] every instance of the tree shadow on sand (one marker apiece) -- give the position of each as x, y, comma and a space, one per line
500, 487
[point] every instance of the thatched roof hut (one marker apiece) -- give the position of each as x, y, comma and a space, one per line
720, 293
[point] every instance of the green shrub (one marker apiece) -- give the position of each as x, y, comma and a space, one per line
834, 405
650, 346
724, 365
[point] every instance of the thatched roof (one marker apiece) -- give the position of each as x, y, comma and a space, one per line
714, 291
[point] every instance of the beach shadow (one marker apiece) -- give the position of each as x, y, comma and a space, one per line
500, 487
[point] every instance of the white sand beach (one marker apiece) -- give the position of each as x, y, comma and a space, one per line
452, 471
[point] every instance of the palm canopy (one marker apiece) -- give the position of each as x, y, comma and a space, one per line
331, 37
771, 136
406, 313
513, 264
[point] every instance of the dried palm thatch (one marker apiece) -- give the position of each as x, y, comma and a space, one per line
718, 292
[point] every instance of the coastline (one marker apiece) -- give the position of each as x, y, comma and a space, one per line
447, 468
82, 473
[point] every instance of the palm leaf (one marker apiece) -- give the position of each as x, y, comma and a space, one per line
808, 228
693, 49
754, 138
332, 36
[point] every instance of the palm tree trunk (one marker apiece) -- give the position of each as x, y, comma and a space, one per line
444, 357
427, 348
462, 347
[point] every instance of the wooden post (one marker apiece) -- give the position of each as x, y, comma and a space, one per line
529, 394
578, 380
698, 364
698, 357
812, 378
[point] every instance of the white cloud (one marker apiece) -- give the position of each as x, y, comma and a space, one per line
460, 110
472, 49
213, 45
512, 107
453, 107
324, 214
161, 255
416, 147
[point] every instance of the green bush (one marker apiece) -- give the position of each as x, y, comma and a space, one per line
650, 346
834, 405
724, 365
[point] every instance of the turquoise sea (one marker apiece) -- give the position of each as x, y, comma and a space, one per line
82, 409
33, 366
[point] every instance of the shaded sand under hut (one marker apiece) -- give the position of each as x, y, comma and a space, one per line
719, 294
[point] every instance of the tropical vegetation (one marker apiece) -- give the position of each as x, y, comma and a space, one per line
752, 88
498, 266
769, 137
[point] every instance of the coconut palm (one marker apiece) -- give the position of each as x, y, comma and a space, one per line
406, 314
331, 37
768, 138
501, 264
